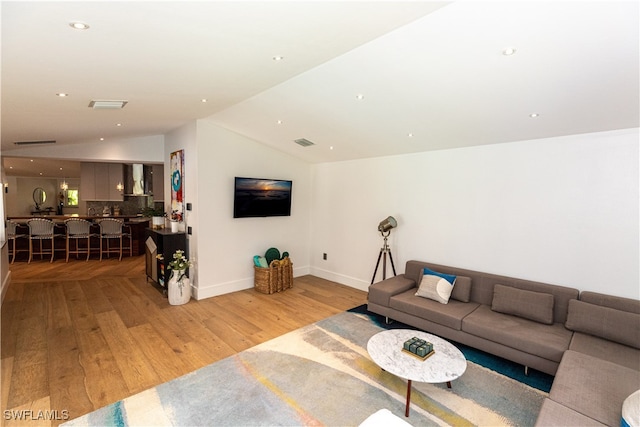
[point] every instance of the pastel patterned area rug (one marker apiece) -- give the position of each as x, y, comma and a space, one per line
319, 375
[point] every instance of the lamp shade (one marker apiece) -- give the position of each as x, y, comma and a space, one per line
387, 224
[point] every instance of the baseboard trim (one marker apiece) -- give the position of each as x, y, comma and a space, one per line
5, 285
203, 292
340, 278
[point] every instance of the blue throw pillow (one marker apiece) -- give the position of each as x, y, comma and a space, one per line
448, 277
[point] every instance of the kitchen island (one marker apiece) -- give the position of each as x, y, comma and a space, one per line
136, 224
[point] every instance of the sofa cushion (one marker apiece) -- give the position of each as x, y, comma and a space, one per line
435, 288
604, 322
380, 292
621, 303
449, 315
606, 350
546, 341
594, 387
462, 289
536, 306
554, 414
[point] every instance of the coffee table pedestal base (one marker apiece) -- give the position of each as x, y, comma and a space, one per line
406, 410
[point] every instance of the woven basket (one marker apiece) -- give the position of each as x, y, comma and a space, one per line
276, 278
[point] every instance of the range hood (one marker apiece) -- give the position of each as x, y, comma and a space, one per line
137, 180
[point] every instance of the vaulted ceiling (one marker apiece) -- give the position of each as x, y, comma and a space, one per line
358, 79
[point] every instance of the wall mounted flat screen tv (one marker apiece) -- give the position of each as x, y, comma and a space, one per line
259, 197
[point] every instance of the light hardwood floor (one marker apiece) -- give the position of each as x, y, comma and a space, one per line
78, 336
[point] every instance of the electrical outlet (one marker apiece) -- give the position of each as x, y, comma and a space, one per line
324, 256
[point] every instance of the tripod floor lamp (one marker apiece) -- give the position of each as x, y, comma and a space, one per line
385, 229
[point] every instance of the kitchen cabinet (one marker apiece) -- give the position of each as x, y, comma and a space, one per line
101, 181
158, 183
115, 178
87, 181
98, 181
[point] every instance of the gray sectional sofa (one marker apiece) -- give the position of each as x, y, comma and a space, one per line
601, 367
589, 341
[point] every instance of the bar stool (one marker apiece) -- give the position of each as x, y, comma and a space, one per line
127, 233
78, 230
41, 229
110, 228
12, 237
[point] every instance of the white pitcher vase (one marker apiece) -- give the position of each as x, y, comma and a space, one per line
179, 288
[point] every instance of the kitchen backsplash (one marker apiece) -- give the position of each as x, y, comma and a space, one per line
132, 206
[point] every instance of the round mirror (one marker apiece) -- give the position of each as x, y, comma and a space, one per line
39, 196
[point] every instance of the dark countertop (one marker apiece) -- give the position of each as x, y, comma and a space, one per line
61, 218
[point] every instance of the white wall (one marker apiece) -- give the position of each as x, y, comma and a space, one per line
185, 138
226, 246
560, 210
5, 273
20, 196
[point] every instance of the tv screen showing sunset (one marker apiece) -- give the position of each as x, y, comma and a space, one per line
254, 197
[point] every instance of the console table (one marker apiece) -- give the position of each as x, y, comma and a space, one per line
160, 245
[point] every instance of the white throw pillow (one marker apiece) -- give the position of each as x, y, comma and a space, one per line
631, 410
435, 288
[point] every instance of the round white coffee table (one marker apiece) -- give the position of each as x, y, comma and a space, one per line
445, 365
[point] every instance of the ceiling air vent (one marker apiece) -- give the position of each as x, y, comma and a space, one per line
107, 105
34, 142
303, 142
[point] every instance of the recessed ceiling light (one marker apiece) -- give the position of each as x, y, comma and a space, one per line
77, 25
278, 58
62, 94
360, 96
101, 139
331, 148
279, 122
410, 135
118, 124
534, 115
203, 100
508, 51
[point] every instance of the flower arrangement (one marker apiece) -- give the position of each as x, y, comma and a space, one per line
176, 216
179, 265
179, 262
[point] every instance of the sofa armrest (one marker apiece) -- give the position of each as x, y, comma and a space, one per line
380, 293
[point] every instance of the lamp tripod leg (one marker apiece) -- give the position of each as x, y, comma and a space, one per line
392, 266
377, 265
384, 265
